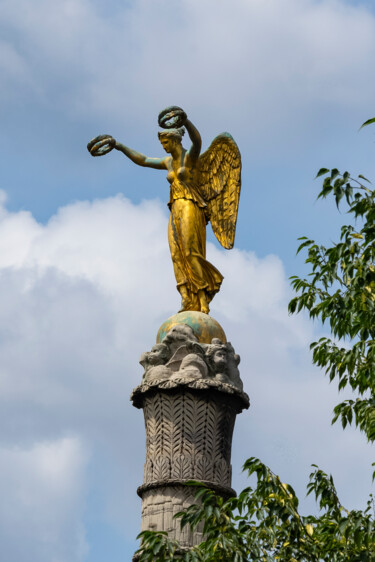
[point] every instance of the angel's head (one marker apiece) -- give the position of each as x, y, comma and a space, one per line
170, 138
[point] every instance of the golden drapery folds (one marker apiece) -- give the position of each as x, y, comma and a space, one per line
187, 242
203, 188
211, 195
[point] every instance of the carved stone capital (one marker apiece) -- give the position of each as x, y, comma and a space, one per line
181, 360
181, 382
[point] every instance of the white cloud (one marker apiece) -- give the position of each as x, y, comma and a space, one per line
255, 62
80, 298
41, 502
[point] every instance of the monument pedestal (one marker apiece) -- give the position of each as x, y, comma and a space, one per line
190, 395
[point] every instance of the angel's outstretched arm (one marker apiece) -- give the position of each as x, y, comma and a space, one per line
141, 159
196, 140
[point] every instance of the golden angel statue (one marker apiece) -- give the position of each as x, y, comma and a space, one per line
203, 188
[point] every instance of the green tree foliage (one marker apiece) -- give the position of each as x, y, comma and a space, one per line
263, 523
340, 291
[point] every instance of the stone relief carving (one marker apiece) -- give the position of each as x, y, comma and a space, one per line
188, 437
181, 358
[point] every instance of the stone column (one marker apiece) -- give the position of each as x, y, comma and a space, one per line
190, 394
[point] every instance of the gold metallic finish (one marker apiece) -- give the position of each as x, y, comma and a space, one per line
203, 188
218, 177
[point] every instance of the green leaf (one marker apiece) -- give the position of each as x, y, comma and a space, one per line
363, 178
368, 122
321, 172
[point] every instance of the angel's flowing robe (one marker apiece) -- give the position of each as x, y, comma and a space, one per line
187, 242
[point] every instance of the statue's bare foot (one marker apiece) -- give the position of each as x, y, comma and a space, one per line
185, 299
203, 302
185, 305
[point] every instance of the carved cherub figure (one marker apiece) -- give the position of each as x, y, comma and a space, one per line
192, 367
181, 356
178, 335
223, 362
216, 357
158, 355
166, 358
187, 355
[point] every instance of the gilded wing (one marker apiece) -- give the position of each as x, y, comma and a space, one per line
219, 182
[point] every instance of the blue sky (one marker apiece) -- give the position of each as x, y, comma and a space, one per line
85, 275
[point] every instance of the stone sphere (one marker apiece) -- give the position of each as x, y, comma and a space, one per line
205, 327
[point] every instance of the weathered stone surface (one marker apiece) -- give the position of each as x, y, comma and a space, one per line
159, 505
139, 393
180, 357
188, 435
191, 393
